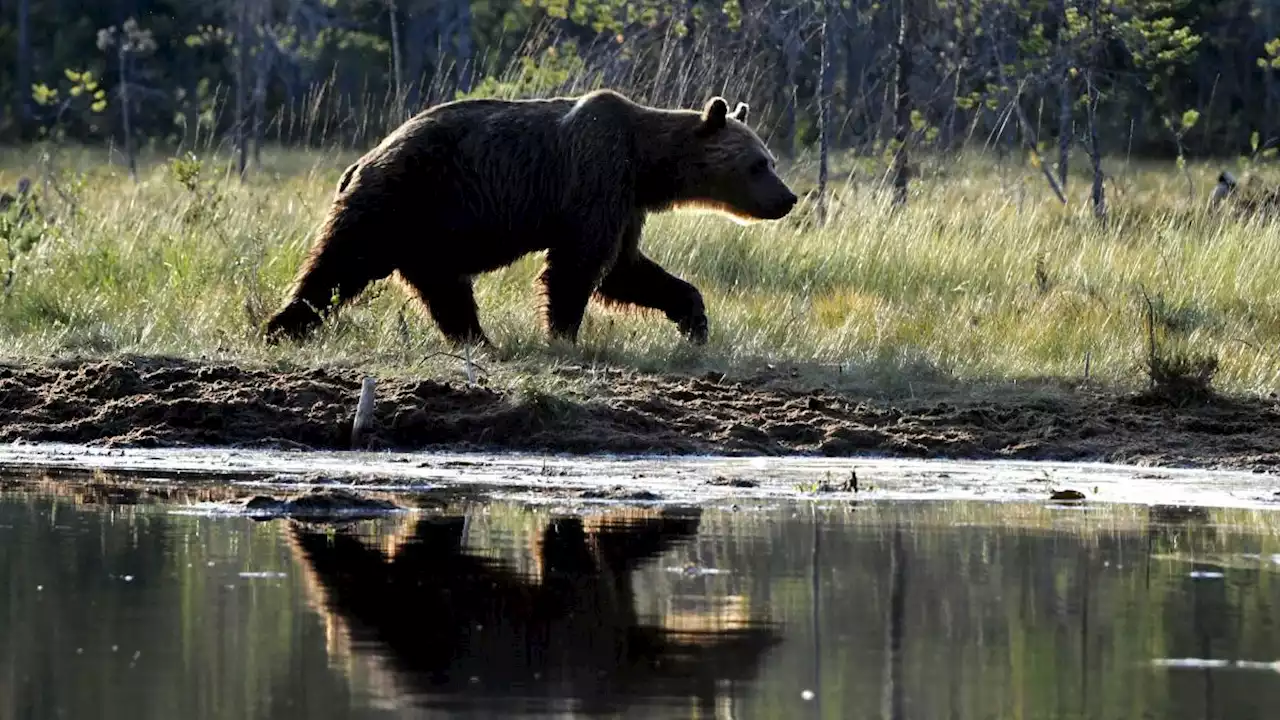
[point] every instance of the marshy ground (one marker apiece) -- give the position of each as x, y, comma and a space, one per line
985, 320
159, 402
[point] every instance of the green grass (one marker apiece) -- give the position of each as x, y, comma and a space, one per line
944, 290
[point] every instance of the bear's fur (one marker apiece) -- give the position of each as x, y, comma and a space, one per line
470, 186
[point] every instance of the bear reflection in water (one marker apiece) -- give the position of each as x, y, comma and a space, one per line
435, 625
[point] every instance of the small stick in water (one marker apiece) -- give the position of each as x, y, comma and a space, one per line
364, 411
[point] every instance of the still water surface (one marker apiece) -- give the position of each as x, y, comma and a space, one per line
116, 608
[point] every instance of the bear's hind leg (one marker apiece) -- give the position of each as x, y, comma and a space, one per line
332, 276
641, 281
451, 302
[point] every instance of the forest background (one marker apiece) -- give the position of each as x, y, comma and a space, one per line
1148, 78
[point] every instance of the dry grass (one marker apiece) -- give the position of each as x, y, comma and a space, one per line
983, 277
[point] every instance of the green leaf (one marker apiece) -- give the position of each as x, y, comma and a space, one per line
1189, 119
43, 94
1253, 141
917, 120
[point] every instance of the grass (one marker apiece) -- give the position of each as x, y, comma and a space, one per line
984, 277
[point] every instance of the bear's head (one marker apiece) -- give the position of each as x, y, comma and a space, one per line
728, 168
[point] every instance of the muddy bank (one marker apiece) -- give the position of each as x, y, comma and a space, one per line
159, 402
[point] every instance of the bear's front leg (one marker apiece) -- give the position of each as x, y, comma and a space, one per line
637, 280
567, 283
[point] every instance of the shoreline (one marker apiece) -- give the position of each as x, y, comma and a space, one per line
155, 402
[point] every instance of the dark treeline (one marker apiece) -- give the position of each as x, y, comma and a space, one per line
1147, 77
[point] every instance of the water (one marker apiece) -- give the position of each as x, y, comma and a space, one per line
135, 603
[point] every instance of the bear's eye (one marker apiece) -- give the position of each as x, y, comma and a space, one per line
759, 166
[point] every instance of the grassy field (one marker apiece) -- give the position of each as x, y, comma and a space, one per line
983, 277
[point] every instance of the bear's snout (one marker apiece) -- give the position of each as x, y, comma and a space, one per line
779, 209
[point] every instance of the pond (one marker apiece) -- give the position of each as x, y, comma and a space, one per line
128, 597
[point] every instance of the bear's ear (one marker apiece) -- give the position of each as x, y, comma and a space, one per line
713, 115
740, 113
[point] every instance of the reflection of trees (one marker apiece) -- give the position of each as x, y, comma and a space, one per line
896, 625
1013, 610
1177, 530
448, 627
1170, 526
1006, 610
78, 640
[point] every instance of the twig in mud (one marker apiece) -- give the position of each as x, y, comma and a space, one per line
364, 410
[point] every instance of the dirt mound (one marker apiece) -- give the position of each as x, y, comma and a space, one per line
171, 402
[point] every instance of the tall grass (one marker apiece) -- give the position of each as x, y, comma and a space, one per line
983, 277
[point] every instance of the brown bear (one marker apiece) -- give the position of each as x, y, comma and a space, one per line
470, 186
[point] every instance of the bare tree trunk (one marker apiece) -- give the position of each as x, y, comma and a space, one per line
122, 56
788, 90
826, 85
262, 72
855, 74
784, 29
1064, 103
242, 86
259, 116
1268, 76
1064, 125
190, 102
1095, 153
191, 113
22, 101
956, 36
397, 74
902, 105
